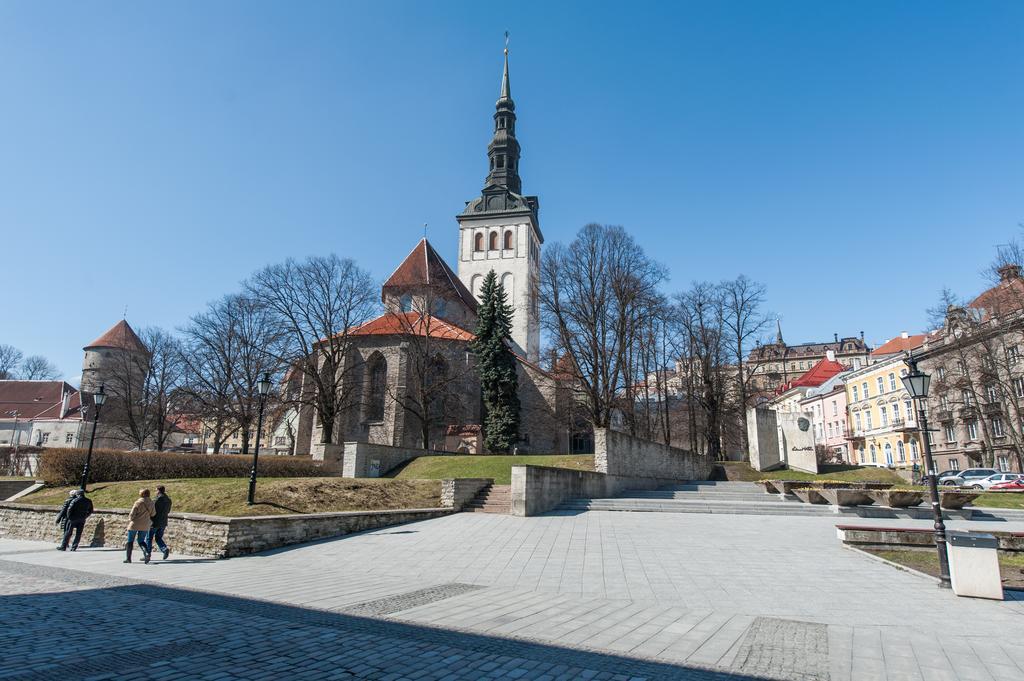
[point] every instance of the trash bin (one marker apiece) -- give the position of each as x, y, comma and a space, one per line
974, 564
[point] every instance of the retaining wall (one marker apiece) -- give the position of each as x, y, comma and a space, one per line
458, 492
622, 454
8, 488
204, 535
538, 489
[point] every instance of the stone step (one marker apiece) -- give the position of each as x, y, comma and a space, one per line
698, 507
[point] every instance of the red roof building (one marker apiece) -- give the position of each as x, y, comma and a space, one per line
424, 268
903, 343
414, 324
120, 336
817, 374
46, 413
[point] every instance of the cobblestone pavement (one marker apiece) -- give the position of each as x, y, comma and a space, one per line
562, 596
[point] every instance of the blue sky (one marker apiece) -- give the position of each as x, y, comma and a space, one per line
854, 157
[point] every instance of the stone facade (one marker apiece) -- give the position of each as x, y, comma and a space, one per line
210, 536
458, 492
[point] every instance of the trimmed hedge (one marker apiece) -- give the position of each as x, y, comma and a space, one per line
64, 466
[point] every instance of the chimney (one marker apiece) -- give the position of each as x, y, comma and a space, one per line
835, 337
862, 336
830, 355
65, 401
904, 335
1009, 271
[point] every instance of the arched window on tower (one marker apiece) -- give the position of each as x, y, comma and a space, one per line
377, 388
478, 241
494, 241
508, 239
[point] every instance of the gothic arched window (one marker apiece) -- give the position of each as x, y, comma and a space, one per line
377, 387
508, 239
494, 241
478, 242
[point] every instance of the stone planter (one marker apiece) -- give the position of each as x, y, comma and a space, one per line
896, 499
787, 486
809, 495
956, 500
769, 488
872, 485
846, 497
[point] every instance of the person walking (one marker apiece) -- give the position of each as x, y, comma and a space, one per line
62, 517
78, 512
162, 503
140, 519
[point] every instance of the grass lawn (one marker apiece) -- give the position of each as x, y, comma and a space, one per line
497, 467
735, 470
1011, 566
226, 496
1000, 500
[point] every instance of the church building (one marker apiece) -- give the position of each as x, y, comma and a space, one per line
410, 378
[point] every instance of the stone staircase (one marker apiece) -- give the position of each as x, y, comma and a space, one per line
491, 499
744, 498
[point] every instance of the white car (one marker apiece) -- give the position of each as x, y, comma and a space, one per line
986, 483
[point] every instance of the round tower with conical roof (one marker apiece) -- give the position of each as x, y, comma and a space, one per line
105, 356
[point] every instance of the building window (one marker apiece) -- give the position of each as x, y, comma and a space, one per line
1003, 462
864, 387
46, 438
377, 388
910, 410
494, 241
884, 413
992, 393
896, 412
888, 454
68, 438
892, 381
950, 433
997, 427
966, 397
944, 401
1018, 387
835, 408
913, 450
961, 367
406, 303
874, 459
901, 452
855, 398
478, 242
856, 420
954, 464
867, 418
1012, 353
972, 430
941, 373
508, 240
881, 385
862, 458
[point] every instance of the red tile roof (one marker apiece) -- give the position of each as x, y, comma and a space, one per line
412, 323
424, 267
900, 344
38, 400
1005, 297
120, 335
818, 374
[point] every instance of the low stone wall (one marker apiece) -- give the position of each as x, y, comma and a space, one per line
210, 536
458, 492
364, 460
621, 454
909, 538
332, 456
538, 489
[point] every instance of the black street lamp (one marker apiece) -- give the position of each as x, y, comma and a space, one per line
98, 398
264, 389
916, 382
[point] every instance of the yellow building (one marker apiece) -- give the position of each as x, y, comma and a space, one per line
881, 421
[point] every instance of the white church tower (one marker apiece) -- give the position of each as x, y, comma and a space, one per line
499, 230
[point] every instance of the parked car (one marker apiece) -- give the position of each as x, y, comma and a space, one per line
1011, 486
987, 483
965, 477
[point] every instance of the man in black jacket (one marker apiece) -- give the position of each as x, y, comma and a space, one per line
75, 515
156, 531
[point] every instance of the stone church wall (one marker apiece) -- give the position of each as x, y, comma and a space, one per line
617, 453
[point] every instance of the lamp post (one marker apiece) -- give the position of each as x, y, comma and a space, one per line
916, 382
98, 398
264, 389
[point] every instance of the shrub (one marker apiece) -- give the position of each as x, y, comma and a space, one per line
64, 466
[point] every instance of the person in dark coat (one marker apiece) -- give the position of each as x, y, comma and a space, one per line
62, 516
78, 512
163, 509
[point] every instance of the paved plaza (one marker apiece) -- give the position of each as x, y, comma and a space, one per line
476, 596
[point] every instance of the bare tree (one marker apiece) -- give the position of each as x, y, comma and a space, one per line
744, 323
10, 359
315, 303
164, 382
38, 368
595, 294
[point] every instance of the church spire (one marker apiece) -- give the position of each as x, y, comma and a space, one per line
778, 333
503, 151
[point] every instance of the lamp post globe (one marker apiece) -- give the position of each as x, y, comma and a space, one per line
99, 398
263, 388
917, 383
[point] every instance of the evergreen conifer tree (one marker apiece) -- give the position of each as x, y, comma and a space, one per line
496, 365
